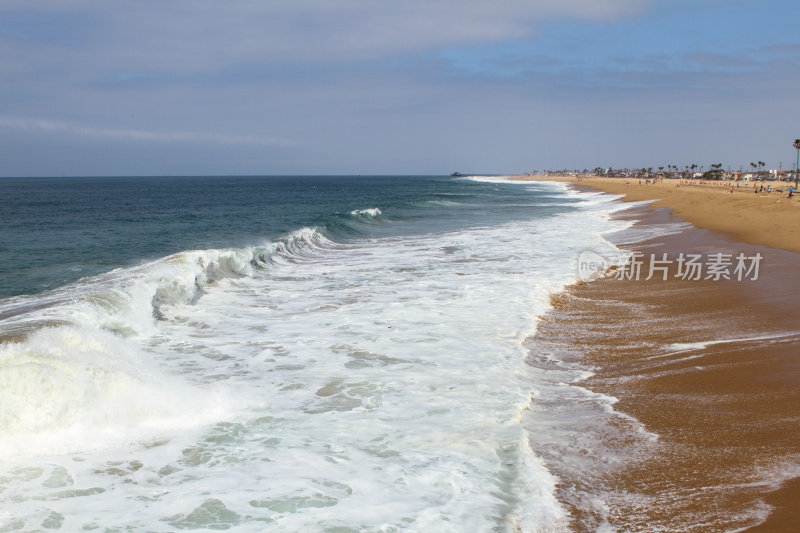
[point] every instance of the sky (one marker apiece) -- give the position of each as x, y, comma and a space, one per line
201, 87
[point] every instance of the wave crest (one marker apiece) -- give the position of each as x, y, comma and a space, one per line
71, 360
372, 212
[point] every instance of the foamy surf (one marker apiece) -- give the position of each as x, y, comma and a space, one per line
367, 213
305, 384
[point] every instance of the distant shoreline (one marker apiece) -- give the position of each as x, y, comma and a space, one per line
768, 219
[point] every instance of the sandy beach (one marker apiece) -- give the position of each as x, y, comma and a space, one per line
765, 218
709, 366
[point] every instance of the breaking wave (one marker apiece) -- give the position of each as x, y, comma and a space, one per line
73, 360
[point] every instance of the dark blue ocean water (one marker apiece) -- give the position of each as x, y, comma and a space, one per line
54, 231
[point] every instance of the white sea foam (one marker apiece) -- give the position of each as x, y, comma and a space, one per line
681, 347
491, 179
300, 386
371, 212
70, 389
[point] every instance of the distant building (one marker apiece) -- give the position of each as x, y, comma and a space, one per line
781, 175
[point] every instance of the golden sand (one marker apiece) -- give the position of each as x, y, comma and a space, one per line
769, 219
726, 413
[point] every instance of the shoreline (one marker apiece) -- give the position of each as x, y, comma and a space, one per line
723, 405
768, 219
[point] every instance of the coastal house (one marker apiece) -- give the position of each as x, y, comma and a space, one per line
781, 175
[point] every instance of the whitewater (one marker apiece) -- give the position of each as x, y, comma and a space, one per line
343, 377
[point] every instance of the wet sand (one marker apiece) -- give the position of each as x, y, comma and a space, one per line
712, 368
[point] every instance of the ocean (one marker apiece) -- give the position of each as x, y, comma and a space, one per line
302, 353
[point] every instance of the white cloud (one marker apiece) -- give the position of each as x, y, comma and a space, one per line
52, 126
188, 36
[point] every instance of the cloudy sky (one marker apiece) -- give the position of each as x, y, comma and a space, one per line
164, 87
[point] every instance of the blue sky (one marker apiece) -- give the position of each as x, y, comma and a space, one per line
151, 87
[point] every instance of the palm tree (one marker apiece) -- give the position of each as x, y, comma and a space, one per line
796, 147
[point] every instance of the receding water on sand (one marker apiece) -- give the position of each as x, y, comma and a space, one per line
707, 368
